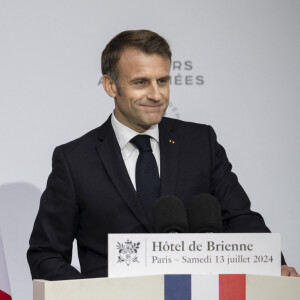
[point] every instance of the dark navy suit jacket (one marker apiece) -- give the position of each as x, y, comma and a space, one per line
89, 194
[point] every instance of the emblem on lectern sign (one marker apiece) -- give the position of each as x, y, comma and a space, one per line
128, 252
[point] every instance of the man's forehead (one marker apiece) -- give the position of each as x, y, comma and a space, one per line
133, 59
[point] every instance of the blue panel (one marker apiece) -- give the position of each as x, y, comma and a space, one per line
178, 287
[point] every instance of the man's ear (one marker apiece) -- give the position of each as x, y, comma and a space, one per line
109, 86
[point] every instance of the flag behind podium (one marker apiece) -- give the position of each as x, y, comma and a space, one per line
5, 293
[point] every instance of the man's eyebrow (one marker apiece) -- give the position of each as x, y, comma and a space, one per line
138, 79
167, 78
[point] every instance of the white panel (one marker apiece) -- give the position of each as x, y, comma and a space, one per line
272, 288
205, 287
134, 288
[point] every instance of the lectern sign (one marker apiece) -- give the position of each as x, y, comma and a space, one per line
219, 253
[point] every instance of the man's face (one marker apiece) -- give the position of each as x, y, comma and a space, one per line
144, 86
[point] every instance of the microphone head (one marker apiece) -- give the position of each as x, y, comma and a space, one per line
169, 215
204, 214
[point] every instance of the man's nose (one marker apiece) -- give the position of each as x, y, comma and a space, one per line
154, 92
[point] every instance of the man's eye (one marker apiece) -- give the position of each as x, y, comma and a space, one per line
140, 82
162, 81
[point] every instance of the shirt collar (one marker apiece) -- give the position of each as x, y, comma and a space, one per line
124, 134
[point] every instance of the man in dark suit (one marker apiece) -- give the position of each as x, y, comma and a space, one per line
92, 189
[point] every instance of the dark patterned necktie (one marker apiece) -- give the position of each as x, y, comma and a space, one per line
146, 173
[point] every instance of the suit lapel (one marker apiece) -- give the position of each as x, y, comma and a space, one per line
169, 154
111, 157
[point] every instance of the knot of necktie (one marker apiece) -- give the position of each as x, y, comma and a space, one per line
142, 142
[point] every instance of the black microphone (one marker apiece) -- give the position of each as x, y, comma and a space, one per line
204, 214
169, 215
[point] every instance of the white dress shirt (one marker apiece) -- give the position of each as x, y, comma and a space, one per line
129, 152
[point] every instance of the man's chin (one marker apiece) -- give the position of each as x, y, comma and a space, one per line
149, 122
154, 120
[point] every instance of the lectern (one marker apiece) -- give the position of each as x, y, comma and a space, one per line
171, 287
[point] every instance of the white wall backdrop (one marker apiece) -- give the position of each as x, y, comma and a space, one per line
236, 67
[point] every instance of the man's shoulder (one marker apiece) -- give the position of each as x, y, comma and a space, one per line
87, 140
190, 135
185, 126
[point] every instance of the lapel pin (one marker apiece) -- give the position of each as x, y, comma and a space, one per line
172, 141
